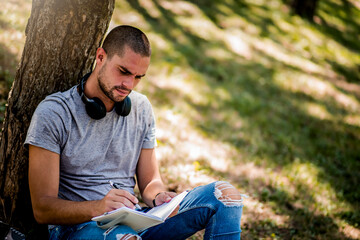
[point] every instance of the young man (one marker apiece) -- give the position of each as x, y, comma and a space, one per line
101, 130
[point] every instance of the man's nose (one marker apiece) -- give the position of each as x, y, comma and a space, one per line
129, 82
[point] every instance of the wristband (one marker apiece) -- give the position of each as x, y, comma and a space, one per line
155, 198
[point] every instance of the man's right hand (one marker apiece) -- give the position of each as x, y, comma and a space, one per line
117, 198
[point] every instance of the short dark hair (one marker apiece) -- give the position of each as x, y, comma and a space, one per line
125, 35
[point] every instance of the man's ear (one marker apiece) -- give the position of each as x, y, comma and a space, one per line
100, 56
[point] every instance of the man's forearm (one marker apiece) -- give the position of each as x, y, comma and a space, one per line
150, 191
50, 210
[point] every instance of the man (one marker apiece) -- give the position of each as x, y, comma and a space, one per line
101, 130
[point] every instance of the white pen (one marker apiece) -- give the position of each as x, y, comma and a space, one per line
119, 186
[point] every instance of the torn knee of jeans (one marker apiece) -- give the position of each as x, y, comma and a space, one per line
228, 194
127, 237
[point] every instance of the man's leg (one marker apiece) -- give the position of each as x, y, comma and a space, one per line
217, 207
90, 231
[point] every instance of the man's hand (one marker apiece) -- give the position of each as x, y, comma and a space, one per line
164, 197
117, 198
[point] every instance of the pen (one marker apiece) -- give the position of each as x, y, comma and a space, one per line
119, 186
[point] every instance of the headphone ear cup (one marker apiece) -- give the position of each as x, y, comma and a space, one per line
123, 108
95, 108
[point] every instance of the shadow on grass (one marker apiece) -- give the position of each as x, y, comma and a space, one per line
256, 14
302, 223
348, 16
351, 74
347, 34
278, 127
296, 220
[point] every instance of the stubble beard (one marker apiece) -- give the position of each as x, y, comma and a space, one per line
109, 92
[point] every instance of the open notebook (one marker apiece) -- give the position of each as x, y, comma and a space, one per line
138, 220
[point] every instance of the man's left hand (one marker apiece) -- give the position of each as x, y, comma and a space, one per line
164, 197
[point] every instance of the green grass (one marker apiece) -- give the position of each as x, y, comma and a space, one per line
247, 92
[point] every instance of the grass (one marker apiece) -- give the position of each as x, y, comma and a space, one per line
247, 92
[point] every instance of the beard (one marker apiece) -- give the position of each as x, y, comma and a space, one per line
110, 91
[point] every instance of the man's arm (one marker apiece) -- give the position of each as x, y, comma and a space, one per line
44, 172
149, 179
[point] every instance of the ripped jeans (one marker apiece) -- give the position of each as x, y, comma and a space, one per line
216, 207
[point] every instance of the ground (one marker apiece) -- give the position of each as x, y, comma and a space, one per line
247, 92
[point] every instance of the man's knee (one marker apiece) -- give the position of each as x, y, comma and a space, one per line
127, 237
131, 238
228, 194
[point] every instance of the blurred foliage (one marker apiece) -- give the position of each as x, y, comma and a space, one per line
277, 95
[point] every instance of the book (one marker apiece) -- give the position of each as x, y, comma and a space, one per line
137, 220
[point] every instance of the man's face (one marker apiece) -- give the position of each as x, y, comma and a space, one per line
119, 75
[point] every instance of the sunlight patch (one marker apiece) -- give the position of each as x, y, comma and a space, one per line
350, 232
151, 8
188, 173
306, 176
316, 88
159, 42
235, 42
279, 53
352, 120
181, 7
218, 53
317, 111
187, 83
201, 26
257, 211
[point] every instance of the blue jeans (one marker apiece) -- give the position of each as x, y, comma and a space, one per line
206, 207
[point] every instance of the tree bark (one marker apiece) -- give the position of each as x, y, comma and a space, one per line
61, 41
305, 8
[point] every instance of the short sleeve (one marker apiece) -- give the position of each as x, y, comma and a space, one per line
150, 137
150, 134
47, 127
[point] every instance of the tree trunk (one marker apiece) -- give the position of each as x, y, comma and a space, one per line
305, 8
61, 41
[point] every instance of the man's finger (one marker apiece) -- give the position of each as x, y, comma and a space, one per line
126, 194
165, 197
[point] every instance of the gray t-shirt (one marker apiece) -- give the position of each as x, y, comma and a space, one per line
92, 152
